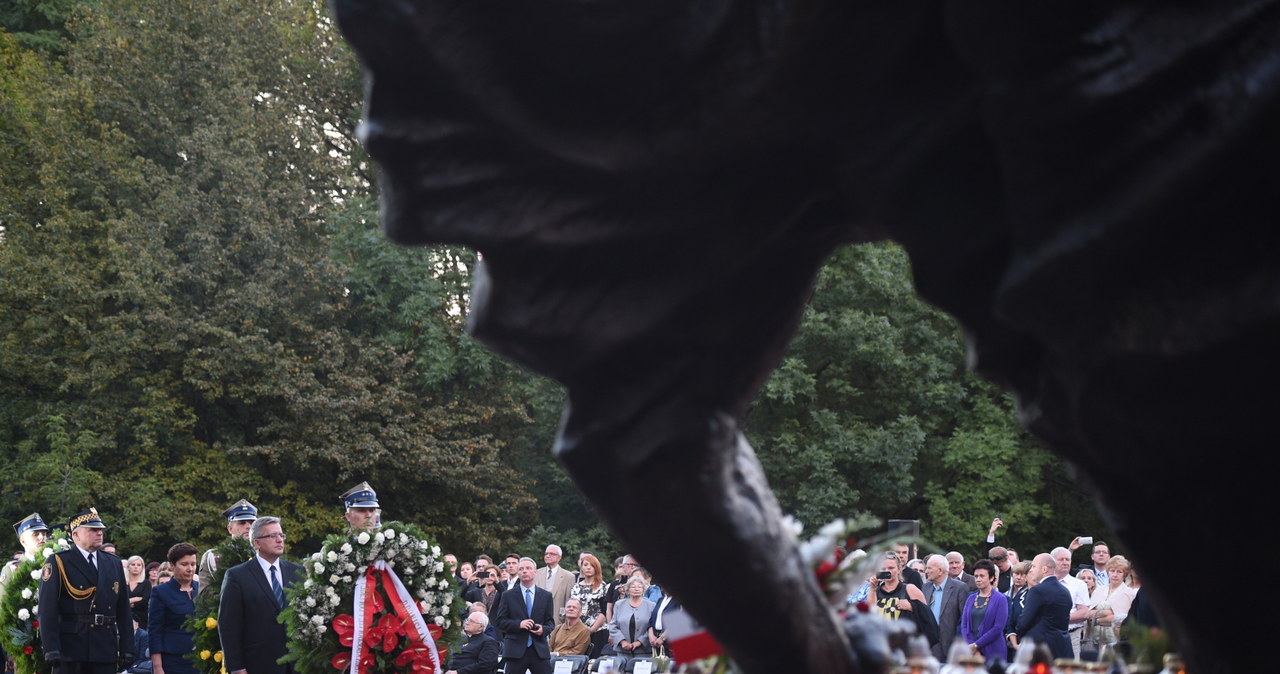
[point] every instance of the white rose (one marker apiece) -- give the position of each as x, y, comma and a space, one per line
391, 533
363, 538
406, 570
422, 594
435, 549
307, 583
35, 575
47, 552
332, 556
334, 579
26, 593
311, 601
315, 556
317, 620
380, 537
440, 620
349, 567
444, 583
346, 579
23, 614
318, 568
334, 600
422, 561
346, 548
329, 591
320, 628
439, 567
429, 582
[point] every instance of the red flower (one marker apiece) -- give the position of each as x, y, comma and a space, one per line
341, 661
344, 626
35, 624
27, 650
436, 631
417, 657
384, 634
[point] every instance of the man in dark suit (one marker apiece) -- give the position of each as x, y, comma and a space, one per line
86, 625
525, 619
252, 598
945, 597
1048, 608
479, 654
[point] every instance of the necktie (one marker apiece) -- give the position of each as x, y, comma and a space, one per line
936, 603
275, 587
528, 608
92, 562
549, 573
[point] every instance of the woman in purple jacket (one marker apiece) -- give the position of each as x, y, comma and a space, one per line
984, 616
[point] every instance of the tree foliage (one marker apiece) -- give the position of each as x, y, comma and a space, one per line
873, 412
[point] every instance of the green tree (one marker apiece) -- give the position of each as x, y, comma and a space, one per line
873, 412
171, 285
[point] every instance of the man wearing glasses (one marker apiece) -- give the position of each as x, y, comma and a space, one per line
252, 598
479, 654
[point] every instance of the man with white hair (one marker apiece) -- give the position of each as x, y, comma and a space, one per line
555, 580
479, 654
1045, 614
945, 597
1080, 610
955, 568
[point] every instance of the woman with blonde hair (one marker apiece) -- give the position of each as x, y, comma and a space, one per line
590, 593
135, 572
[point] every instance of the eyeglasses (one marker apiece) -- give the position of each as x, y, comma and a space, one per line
276, 536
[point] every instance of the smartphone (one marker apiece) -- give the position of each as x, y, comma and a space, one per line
884, 575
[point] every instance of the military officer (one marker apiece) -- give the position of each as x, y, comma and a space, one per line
240, 517
362, 510
32, 533
86, 625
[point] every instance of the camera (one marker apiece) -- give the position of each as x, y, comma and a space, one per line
482, 574
884, 575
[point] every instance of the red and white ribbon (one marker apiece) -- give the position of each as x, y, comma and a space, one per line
402, 605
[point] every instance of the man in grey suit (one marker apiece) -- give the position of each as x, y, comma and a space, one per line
251, 599
945, 597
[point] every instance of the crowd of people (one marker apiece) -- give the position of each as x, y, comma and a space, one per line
1004, 600
528, 616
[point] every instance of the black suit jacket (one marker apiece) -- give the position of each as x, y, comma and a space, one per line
62, 632
1045, 616
252, 636
479, 655
511, 612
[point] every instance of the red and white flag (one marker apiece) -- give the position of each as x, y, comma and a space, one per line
689, 641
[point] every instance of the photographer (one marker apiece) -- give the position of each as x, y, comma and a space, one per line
485, 590
897, 600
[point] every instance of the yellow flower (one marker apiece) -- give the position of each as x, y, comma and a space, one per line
210, 623
204, 655
217, 657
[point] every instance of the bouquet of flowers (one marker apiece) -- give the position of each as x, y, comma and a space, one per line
203, 623
19, 626
374, 601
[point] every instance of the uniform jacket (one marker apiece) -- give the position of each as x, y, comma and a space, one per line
61, 632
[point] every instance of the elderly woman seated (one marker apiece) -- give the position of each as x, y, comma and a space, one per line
629, 631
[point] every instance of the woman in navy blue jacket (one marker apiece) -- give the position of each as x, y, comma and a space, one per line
171, 604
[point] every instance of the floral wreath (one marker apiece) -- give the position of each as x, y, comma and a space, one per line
19, 627
374, 601
203, 623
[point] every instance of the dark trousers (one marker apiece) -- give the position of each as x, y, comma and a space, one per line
64, 667
529, 662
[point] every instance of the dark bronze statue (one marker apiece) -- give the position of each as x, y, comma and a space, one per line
1091, 188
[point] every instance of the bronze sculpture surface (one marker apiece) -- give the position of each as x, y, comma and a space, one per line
1090, 188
